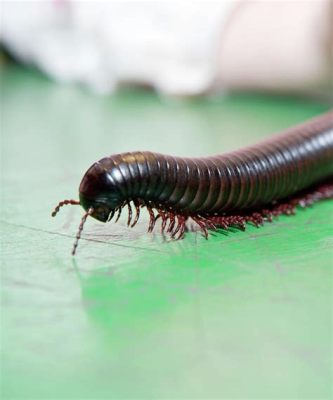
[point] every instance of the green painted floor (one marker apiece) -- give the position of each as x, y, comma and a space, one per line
134, 316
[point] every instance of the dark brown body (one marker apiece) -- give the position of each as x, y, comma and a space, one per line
254, 176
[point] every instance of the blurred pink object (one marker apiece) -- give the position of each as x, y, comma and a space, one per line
183, 48
283, 46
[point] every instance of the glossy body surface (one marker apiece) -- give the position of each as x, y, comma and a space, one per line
243, 315
250, 177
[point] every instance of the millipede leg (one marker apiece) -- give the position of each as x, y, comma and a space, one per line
164, 217
111, 215
137, 215
119, 213
172, 222
129, 213
202, 225
152, 219
256, 219
180, 227
209, 222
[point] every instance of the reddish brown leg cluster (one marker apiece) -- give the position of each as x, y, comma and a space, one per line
174, 223
258, 217
171, 222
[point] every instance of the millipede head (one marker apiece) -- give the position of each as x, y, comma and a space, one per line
64, 203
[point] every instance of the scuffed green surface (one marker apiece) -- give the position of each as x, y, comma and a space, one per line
243, 315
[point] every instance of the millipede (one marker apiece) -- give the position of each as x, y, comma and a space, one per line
251, 185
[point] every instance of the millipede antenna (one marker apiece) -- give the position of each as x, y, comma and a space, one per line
78, 235
64, 203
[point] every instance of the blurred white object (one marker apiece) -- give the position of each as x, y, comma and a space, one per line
170, 46
179, 48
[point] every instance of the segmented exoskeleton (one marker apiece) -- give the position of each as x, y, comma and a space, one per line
248, 185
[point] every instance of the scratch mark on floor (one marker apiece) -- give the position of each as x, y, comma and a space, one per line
83, 238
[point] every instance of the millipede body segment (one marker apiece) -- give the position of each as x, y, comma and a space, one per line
248, 185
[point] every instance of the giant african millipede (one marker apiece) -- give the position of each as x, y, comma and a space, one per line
251, 185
